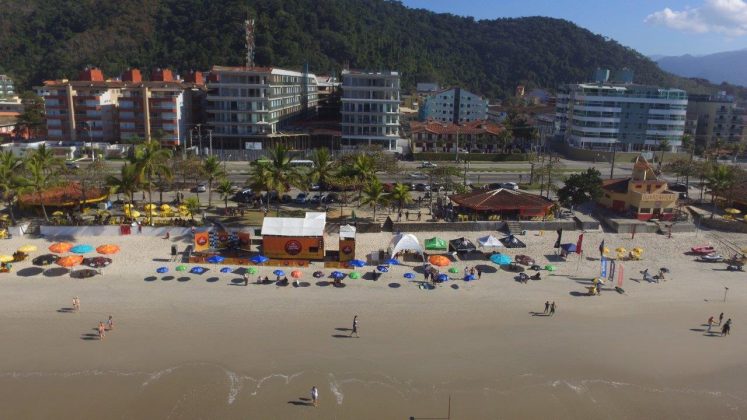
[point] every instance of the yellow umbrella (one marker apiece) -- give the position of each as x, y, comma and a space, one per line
606, 251
733, 211
135, 213
150, 206
27, 249
6, 258
638, 250
621, 249
127, 206
58, 213
165, 207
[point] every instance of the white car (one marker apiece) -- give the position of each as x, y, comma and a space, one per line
418, 175
201, 188
510, 186
428, 165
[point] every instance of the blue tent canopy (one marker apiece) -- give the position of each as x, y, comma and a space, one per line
501, 259
215, 259
259, 259
356, 263
409, 275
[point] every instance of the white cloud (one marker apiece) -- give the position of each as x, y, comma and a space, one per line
728, 17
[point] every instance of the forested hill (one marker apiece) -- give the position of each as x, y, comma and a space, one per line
43, 39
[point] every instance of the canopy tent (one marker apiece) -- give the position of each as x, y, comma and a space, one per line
489, 241
405, 242
310, 225
512, 241
462, 245
436, 244
347, 231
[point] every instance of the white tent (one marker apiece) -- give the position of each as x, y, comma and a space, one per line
311, 225
489, 241
405, 242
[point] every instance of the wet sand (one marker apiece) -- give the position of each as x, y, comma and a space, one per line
205, 348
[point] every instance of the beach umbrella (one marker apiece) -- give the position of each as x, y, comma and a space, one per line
81, 249
392, 261
181, 268
215, 259
259, 259
97, 262
60, 247
6, 258
356, 263
453, 270
4, 217
733, 211
135, 214
107, 249
27, 249
501, 259
45, 259
58, 213
162, 270
70, 261
382, 268
251, 270
165, 207
279, 272
149, 206
127, 206
442, 278
550, 267
296, 274
638, 250
439, 260
338, 275
621, 250
470, 277
225, 270
198, 270
318, 274
355, 275
409, 275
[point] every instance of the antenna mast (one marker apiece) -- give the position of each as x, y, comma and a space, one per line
249, 38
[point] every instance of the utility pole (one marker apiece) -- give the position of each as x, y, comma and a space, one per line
456, 155
210, 137
612, 166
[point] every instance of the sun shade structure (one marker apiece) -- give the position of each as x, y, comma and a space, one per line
489, 241
45, 259
405, 242
439, 260
60, 247
27, 249
512, 241
107, 249
503, 201
461, 245
215, 259
436, 244
259, 259
355, 275
252, 270
501, 259
279, 272
356, 263
296, 274
66, 195
81, 249
409, 275
70, 261
6, 258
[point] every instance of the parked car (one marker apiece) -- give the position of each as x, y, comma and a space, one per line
72, 165
418, 175
200, 188
427, 164
330, 198
244, 196
679, 188
510, 186
316, 199
301, 198
314, 187
422, 187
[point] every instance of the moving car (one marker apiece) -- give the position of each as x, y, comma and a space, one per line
427, 164
200, 188
418, 175
679, 188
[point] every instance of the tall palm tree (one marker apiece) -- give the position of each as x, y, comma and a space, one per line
10, 180
720, 181
45, 157
150, 159
373, 194
259, 180
127, 182
211, 170
401, 194
37, 180
282, 175
225, 188
323, 171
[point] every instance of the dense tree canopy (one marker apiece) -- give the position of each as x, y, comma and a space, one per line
43, 39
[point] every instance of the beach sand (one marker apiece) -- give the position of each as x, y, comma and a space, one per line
199, 346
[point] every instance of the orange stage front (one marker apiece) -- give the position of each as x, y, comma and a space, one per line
293, 247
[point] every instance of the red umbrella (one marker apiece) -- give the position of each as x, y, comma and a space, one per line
60, 247
439, 260
107, 249
70, 261
296, 274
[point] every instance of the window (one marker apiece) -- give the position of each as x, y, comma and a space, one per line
644, 210
669, 210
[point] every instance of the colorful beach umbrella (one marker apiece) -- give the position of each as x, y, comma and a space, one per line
251, 270
215, 259
442, 278
453, 270
45, 259
97, 262
296, 274
501, 259
58, 213
733, 211
27, 249
107, 249
198, 270
225, 270
6, 258
392, 261
439, 260
382, 268
354, 275
259, 259
60, 247
70, 261
181, 268
550, 267
81, 249
356, 263
318, 274
279, 272
162, 270
470, 277
338, 275
409, 275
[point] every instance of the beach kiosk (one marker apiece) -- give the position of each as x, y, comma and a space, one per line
294, 238
347, 243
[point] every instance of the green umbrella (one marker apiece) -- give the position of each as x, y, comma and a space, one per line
453, 270
550, 267
181, 268
252, 270
354, 275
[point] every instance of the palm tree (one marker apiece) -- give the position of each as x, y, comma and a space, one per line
211, 170
127, 182
10, 181
664, 146
150, 159
720, 181
324, 168
193, 205
45, 157
225, 188
37, 180
281, 174
401, 194
373, 194
259, 180
505, 137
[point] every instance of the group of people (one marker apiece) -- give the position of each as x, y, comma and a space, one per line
105, 326
725, 326
549, 308
471, 271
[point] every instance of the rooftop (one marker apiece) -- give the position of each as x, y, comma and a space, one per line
311, 225
472, 127
501, 199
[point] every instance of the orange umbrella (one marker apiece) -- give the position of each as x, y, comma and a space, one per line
439, 260
70, 261
296, 274
107, 249
60, 247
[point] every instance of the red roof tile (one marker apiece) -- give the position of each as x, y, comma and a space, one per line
501, 199
473, 127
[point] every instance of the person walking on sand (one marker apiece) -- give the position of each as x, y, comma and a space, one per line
246, 279
314, 396
720, 318
101, 330
479, 273
552, 308
711, 321
355, 327
547, 306
110, 323
725, 329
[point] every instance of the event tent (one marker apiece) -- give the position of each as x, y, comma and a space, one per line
489, 241
405, 242
436, 244
462, 245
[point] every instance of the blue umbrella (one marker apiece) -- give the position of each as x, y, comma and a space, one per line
225, 270
392, 261
409, 275
382, 268
198, 270
162, 270
215, 259
259, 259
501, 259
442, 277
279, 272
81, 249
338, 275
356, 263
470, 277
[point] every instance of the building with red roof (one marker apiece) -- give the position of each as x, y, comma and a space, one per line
509, 204
433, 136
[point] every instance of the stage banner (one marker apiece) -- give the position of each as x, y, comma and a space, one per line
604, 268
245, 240
202, 241
620, 277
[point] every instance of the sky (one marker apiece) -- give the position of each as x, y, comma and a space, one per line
653, 27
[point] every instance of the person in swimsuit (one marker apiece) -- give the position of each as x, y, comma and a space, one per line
314, 395
110, 323
355, 327
101, 330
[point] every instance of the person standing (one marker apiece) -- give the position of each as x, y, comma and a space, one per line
246, 278
355, 327
710, 322
547, 306
479, 273
314, 396
552, 308
720, 318
101, 330
110, 323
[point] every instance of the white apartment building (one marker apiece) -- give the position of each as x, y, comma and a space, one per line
370, 110
246, 104
454, 105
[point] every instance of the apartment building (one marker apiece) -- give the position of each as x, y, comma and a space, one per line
454, 105
717, 117
370, 110
625, 116
473, 137
7, 88
252, 104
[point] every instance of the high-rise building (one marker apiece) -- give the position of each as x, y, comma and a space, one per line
370, 110
454, 105
625, 116
6, 86
253, 104
714, 118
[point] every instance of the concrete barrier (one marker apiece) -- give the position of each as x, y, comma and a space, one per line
112, 230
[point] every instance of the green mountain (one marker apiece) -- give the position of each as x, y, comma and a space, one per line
44, 39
